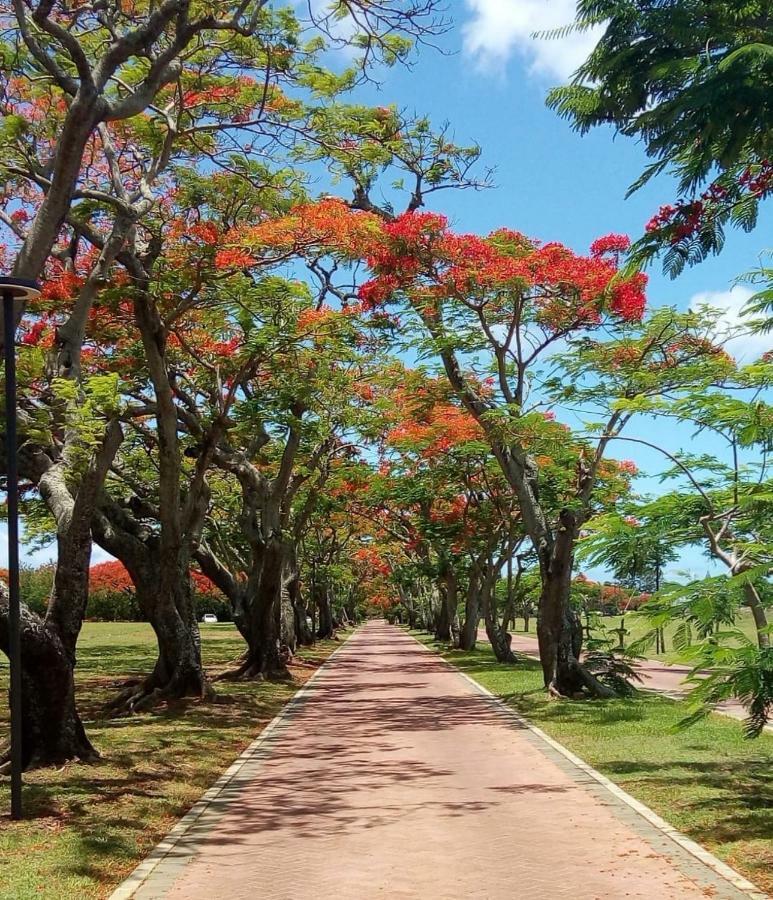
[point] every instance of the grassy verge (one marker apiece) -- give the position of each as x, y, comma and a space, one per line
88, 825
708, 781
638, 625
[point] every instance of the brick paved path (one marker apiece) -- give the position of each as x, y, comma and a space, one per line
396, 779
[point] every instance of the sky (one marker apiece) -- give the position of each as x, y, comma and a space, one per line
488, 79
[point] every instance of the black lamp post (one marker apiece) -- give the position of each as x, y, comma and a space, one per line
13, 290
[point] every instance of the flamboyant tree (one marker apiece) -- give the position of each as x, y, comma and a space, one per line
693, 80
92, 67
291, 423
440, 487
95, 146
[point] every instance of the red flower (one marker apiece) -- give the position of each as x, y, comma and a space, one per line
233, 258
610, 243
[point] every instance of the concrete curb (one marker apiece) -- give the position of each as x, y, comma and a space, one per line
700, 853
133, 882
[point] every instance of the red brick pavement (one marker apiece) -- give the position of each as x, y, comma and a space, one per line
395, 778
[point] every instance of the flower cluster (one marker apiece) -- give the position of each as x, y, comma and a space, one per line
422, 258
610, 244
328, 225
435, 432
758, 180
233, 258
685, 218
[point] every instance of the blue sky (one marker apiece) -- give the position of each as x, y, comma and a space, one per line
489, 84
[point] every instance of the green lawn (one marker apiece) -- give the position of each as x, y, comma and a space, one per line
638, 625
89, 825
708, 781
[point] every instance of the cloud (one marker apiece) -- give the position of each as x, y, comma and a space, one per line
747, 346
497, 28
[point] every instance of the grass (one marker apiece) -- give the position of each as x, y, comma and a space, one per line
707, 781
638, 625
87, 826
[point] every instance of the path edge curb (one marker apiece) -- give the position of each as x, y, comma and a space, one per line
694, 849
147, 866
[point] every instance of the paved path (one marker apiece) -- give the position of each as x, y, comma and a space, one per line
655, 675
395, 778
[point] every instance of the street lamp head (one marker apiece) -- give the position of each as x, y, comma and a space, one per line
19, 288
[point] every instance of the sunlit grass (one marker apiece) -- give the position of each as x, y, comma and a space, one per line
87, 826
707, 781
638, 625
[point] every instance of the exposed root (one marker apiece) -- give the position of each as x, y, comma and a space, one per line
133, 691
584, 686
149, 694
85, 755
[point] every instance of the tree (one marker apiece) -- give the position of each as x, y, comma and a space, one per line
720, 502
290, 427
634, 554
101, 66
445, 494
105, 114
694, 81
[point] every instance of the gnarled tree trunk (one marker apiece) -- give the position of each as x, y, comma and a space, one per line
52, 731
259, 618
499, 638
51, 727
468, 634
165, 597
558, 628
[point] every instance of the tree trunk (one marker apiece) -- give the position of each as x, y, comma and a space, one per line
442, 619
165, 597
468, 634
303, 632
169, 608
499, 638
558, 628
325, 628
287, 634
52, 731
447, 626
262, 612
51, 727
752, 600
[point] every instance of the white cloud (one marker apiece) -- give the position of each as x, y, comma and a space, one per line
497, 28
745, 347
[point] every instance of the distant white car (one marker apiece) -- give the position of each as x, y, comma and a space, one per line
209, 618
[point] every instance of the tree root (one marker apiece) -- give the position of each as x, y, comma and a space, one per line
251, 671
587, 686
90, 755
148, 694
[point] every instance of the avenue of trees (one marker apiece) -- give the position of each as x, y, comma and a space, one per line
328, 404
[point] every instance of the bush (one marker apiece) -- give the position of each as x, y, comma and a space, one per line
35, 586
111, 593
213, 601
113, 606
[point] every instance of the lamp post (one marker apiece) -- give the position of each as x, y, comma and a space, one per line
13, 290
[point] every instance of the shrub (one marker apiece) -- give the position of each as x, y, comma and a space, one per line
111, 593
35, 586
